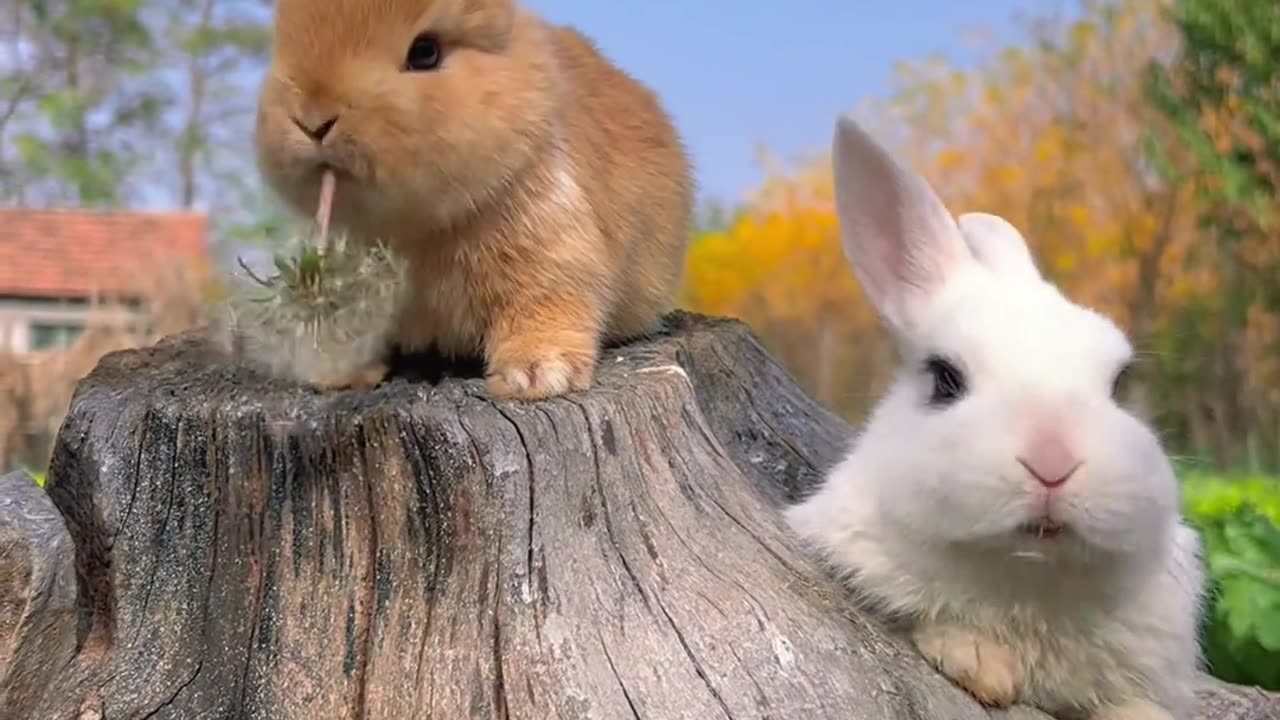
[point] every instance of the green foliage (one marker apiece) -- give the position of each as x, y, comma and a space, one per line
1239, 521
1220, 95
321, 279
1228, 63
39, 477
112, 103
76, 114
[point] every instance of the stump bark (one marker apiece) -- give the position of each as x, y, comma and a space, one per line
216, 544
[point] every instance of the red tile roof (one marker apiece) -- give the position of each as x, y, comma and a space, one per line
81, 253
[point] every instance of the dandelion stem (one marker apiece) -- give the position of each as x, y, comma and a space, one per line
325, 209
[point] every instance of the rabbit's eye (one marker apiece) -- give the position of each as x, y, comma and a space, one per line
948, 381
424, 54
1120, 384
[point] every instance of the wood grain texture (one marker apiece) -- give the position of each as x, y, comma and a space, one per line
244, 548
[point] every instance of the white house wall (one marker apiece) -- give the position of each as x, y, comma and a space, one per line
18, 314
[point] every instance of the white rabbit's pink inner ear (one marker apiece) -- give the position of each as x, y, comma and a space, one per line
998, 245
899, 238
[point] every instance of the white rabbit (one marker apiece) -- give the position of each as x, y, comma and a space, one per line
999, 500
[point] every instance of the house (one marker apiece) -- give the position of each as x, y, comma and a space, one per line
56, 264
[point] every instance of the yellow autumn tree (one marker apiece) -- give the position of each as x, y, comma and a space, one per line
1055, 139
1056, 136
780, 267
1065, 140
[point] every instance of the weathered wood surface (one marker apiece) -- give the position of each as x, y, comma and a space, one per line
248, 549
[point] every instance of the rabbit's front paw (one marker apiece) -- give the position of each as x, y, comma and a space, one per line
533, 368
1133, 710
986, 668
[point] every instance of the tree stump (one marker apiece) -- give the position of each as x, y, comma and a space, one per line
236, 546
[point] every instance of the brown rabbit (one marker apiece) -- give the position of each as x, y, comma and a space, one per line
541, 196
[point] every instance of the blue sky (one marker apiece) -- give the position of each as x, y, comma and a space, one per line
736, 74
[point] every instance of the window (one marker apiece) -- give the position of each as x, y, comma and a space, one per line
52, 336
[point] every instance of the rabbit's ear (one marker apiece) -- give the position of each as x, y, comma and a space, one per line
899, 238
998, 245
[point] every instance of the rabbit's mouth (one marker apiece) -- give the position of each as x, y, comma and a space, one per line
1042, 529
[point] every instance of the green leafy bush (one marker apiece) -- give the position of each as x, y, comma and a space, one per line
1239, 520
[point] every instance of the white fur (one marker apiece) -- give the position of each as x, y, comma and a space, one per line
921, 517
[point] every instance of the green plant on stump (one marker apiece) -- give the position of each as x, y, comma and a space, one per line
327, 312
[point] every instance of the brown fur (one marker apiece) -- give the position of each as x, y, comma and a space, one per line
540, 195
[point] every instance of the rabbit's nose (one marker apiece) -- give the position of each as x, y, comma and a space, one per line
1049, 460
316, 130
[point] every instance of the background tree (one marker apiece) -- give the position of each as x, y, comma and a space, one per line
75, 121
1052, 136
1161, 215
129, 103
780, 266
1138, 150
1223, 97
